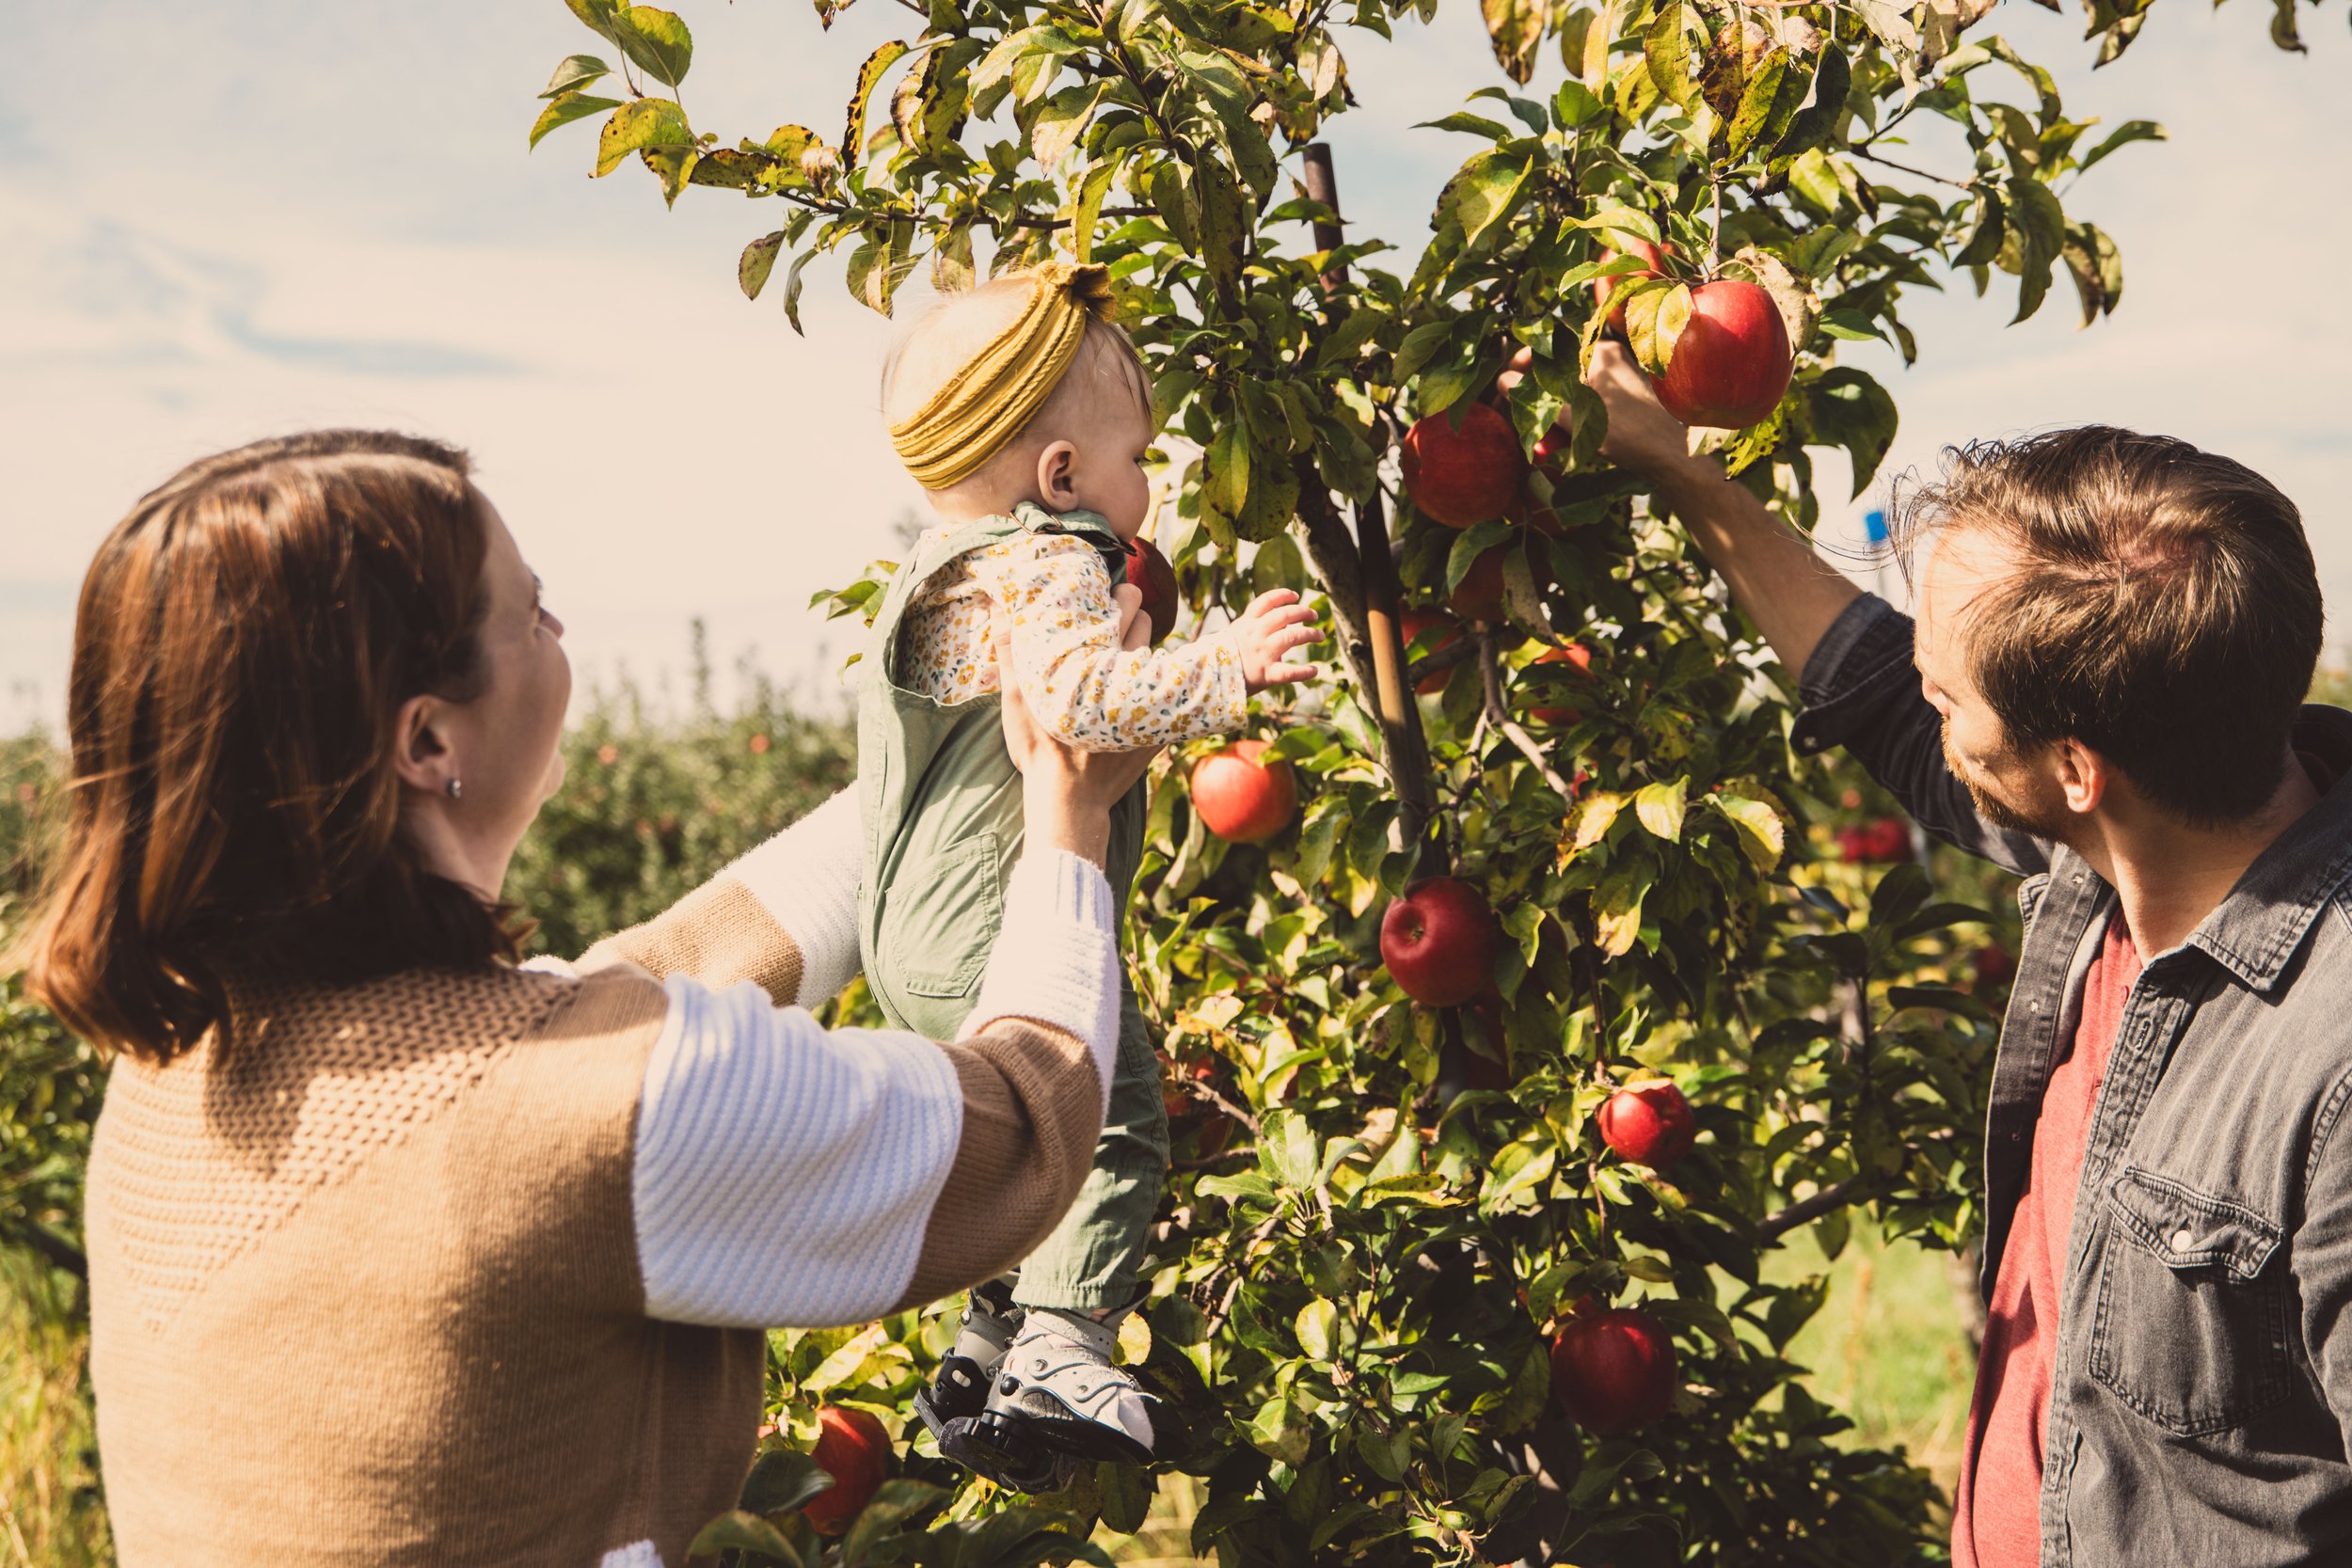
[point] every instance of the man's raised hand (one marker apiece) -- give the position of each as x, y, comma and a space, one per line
1641, 437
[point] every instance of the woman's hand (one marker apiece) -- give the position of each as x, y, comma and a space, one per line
1068, 793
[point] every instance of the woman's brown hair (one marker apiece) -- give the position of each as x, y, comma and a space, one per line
244, 641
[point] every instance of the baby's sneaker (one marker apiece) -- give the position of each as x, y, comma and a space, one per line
959, 1389
1056, 1384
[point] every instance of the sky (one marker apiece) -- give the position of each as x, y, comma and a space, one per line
243, 218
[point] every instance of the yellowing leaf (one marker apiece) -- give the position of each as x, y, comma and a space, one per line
1763, 833
1589, 820
650, 124
758, 260
1660, 807
1617, 910
881, 59
1654, 319
1316, 1323
1514, 27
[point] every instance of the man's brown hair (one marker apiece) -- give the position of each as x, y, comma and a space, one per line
2168, 614
244, 641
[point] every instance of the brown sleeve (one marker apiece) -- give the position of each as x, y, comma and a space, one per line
1032, 1111
719, 934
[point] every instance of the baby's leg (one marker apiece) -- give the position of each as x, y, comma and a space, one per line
1055, 1389
1091, 1263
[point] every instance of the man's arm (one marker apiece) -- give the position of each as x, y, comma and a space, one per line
1852, 652
1791, 594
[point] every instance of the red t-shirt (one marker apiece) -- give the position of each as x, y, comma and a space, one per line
1996, 1517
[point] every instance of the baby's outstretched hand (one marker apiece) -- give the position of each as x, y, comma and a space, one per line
1275, 625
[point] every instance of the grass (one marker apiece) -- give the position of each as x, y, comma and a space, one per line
1888, 1348
50, 1515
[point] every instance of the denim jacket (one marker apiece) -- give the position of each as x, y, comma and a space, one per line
2202, 1400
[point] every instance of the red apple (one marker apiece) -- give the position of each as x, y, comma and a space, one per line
1551, 450
1439, 941
1731, 364
1613, 1370
1156, 579
1479, 596
1449, 631
1604, 287
1881, 841
852, 1448
1995, 965
1572, 653
1466, 476
1241, 799
1649, 1123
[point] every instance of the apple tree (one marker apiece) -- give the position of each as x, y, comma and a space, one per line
1409, 1303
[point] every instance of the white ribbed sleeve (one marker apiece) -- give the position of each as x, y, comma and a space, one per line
1057, 960
807, 877
785, 1173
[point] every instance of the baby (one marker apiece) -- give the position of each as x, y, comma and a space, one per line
1025, 414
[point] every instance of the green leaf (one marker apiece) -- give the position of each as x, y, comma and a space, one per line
1280, 1429
783, 1479
792, 290
1667, 48
649, 124
894, 1503
742, 1531
578, 71
1850, 325
571, 107
758, 260
2123, 135
1819, 123
853, 134
1766, 104
1848, 409
657, 41
1660, 807
1481, 192
597, 15
1462, 120
2037, 223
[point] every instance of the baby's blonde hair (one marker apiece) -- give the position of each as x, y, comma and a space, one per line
945, 338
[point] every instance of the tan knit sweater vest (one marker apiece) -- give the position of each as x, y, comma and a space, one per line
365, 1288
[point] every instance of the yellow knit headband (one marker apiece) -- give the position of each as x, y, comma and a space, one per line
985, 404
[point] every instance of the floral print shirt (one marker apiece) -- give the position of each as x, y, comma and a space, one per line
1054, 595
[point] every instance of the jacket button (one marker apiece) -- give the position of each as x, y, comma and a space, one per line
2180, 1239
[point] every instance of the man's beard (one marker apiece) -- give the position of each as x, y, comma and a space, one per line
1991, 807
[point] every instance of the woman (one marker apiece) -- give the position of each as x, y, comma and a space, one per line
401, 1253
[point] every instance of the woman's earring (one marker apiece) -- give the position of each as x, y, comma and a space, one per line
455, 788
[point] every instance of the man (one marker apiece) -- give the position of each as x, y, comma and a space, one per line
2104, 694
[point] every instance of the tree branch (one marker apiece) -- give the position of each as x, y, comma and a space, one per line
1838, 1194
1490, 677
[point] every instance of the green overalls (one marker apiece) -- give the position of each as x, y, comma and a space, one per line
941, 806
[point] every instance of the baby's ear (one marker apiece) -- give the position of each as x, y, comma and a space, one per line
1056, 476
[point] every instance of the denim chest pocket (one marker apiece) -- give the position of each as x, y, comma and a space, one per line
2193, 1312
